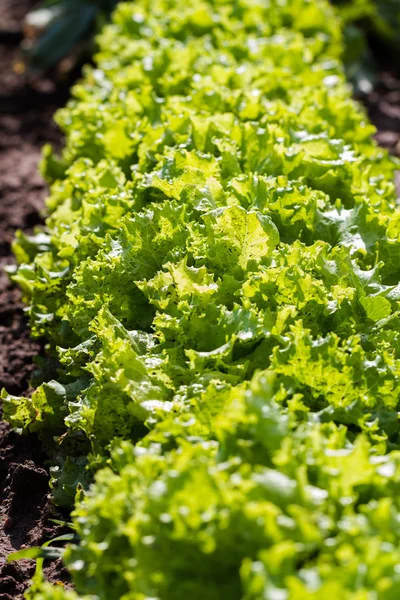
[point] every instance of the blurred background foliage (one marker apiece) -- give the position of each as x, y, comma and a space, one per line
57, 29
372, 37
60, 29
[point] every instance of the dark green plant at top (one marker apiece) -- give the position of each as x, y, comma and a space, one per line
66, 24
381, 17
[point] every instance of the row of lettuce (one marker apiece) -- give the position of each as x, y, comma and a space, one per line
218, 285
69, 27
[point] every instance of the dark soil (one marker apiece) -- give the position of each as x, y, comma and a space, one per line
383, 105
26, 110
12, 13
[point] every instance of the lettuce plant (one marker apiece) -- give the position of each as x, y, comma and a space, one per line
218, 282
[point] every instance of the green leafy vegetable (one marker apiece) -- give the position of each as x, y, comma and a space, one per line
218, 282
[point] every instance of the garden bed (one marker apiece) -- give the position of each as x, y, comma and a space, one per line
26, 110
